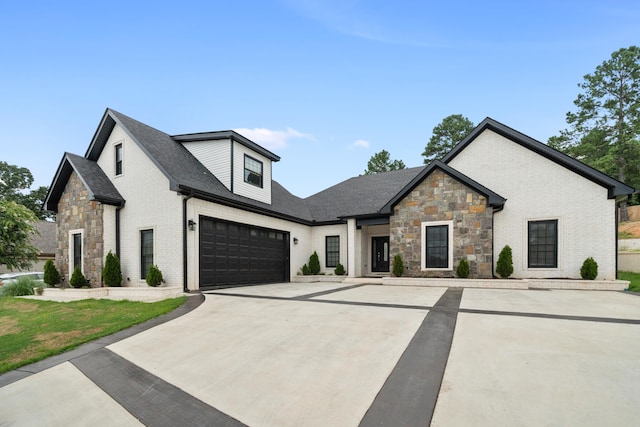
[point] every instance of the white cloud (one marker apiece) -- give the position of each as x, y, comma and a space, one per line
272, 139
361, 143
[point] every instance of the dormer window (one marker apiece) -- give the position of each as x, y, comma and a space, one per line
119, 159
252, 171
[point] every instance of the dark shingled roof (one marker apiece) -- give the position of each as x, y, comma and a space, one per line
359, 196
45, 239
94, 179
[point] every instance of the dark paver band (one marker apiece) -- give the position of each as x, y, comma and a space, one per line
552, 316
331, 291
408, 397
150, 399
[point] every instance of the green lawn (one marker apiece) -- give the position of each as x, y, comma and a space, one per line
31, 330
634, 278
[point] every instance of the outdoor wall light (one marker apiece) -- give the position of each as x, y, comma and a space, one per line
295, 240
192, 225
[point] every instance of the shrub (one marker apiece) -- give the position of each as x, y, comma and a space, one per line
111, 273
505, 262
398, 266
77, 278
305, 270
51, 274
154, 276
589, 269
314, 263
463, 269
21, 287
339, 270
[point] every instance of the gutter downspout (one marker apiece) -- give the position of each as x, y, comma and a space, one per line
185, 229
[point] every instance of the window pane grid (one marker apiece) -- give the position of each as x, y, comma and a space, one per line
146, 252
252, 171
333, 251
543, 244
437, 246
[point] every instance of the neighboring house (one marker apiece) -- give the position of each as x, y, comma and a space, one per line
45, 241
204, 208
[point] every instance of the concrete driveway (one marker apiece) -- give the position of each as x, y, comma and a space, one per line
330, 354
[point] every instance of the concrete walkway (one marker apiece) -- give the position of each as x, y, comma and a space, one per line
335, 354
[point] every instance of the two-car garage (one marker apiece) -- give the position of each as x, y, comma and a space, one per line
232, 253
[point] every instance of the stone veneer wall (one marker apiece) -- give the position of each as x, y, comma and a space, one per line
75, 212
439, 197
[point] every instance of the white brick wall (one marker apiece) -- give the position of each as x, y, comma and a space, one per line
537, 188
149, 205
318, 244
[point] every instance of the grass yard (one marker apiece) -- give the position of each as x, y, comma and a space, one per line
32, 330
634, 278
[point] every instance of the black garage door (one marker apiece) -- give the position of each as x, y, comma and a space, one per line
238, 254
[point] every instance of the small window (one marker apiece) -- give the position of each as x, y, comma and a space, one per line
252, 171
77, 250
543, 244
332, 245
146, 252
119, 159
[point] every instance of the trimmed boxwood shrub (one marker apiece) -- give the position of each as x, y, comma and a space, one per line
77, 278
505, 262
111, 273
589, 269
463, 269
339, 270
314, 263
51, 274
305, 270
398, 266
154, 276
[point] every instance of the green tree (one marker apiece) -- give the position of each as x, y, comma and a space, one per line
51, 274
16, 230
154, 276
111, 273
77, 278
14, 181
605, 127
381, 162
398, 266
314, 263
446, 135
505, 262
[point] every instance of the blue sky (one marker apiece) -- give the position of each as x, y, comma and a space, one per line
323, 84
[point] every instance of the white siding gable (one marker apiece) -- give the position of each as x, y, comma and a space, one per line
243, 188
215, 156
537, 188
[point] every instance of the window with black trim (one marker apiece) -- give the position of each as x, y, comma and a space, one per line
119, 159
543, 244
146, 252
332, 246
252, 171
77, 250
437, 246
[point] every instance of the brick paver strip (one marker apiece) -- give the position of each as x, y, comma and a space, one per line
150, 399
408, 397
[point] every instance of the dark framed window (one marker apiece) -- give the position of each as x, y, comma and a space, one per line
437, 246
332, 246
119, 159
252, 171
77, 250
543, 244
146, 252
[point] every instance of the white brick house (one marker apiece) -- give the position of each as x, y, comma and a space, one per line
204, 208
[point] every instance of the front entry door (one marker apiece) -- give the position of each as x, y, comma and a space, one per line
380, 254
